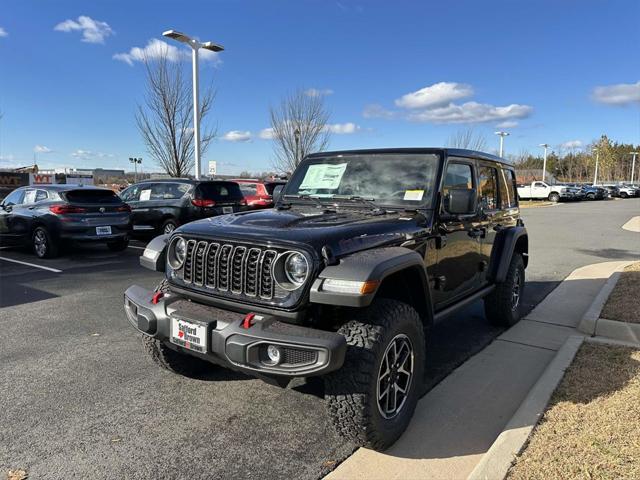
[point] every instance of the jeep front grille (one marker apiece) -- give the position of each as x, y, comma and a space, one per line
227, 268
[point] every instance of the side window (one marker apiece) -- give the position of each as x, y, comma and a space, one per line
488, 177
459, 176
249, 188
30, 196
41, 195
508, 196
539, 184
14, 198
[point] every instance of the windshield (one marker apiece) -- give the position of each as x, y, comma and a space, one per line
394, 179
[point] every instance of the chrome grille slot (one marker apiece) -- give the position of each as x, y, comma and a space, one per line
210, 275
266, 277
199, 263
188, 261
251, 272
237, 260
224, 270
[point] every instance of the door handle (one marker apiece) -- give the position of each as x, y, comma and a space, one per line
31, 208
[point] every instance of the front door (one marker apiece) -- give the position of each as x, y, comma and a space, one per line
459, 253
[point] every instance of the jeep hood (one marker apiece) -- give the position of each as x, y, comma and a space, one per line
343, 231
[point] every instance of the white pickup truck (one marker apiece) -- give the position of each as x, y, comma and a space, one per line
542, 190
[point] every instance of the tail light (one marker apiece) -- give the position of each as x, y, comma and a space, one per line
203, 202
66, 209
124, 208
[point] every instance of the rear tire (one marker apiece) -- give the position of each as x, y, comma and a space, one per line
119, 245
385, 354
502, 306
42, 243
172, 360
623, 195
168, 226
554, 197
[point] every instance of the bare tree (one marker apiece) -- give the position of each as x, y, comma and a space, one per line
165, 121
300, 127
467, 139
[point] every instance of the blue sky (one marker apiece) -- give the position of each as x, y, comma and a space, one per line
393, 73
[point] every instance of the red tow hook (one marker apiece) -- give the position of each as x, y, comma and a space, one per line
156, 297
248, 320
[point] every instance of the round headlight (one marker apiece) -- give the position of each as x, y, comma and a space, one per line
296, 268
177, 253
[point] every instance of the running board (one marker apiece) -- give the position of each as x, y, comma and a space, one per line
462, 303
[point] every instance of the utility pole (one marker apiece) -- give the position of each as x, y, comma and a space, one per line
136, 162
544, 162
595, 176
502, 135
195, 46
633, 165
296, 134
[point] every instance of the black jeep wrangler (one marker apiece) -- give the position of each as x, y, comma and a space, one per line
364, 251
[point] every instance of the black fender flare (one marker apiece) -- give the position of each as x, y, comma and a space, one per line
368, 266
503, 248
155, 254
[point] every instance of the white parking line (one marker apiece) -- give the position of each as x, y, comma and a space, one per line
54, 270
137, 248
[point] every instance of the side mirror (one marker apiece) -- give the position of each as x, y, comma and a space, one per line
461, 201
277, 193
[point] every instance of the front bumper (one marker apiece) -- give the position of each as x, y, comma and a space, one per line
305, 351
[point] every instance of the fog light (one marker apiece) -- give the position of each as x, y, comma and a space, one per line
275, 354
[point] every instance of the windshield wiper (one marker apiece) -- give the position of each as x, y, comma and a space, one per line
358, 198
306, 196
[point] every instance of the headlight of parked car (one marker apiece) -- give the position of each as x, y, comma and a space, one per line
177, 252
291, 270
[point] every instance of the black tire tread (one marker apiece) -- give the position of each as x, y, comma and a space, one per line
497, 305
52, 248
346, 389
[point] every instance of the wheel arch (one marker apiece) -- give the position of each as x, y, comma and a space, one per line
507, 243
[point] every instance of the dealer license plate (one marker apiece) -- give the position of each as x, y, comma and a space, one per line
227, 210
103, 230
190, 335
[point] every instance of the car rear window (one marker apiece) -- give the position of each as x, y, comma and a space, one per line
92, 196
271, 187
249, 188
219, 191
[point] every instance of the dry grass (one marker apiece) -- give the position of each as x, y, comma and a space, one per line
534, 203
624, 302
591, 428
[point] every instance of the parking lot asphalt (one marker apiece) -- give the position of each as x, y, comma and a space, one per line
81, 400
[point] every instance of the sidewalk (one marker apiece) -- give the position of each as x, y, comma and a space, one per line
458, 420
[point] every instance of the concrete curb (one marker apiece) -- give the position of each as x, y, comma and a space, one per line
592, 324
632, 225
496, 462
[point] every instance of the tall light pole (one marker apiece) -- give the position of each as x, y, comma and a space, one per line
136, 162
195, 46
296, 134
633, 165
502, 135
595, 176
544, 161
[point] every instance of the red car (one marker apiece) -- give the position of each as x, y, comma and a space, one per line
258, 193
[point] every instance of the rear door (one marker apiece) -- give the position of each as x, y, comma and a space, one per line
138, 197
490, 215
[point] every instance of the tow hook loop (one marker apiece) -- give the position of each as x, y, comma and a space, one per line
156, 297
248, 319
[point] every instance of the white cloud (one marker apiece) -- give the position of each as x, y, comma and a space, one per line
620, 94
41, 149
471, 112
375, 110
3, 32
88, 154
571, 144
343, 128
93, 31
266, 133
507, 124
237, 136
157, 48
314, 92
436, 95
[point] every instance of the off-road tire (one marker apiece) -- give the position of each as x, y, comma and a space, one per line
169, 359
498, 305
554, 197
118, 245
351, 392
51, 248
168, 223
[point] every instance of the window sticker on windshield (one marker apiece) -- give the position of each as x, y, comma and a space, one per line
415, 195
145, 195
323, 176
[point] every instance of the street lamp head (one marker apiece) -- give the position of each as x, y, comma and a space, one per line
502, 134
179, 36
634, 153
213, 47
544, 145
